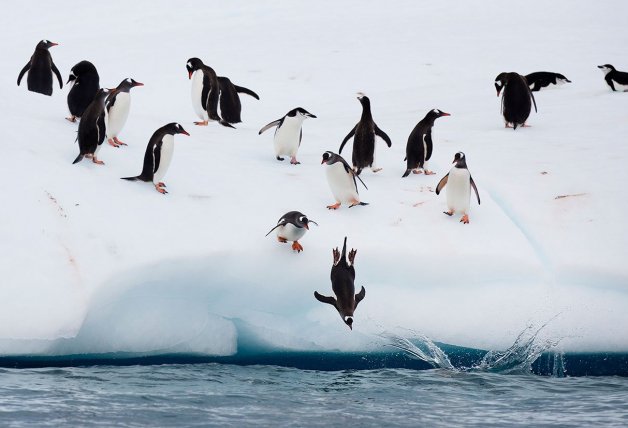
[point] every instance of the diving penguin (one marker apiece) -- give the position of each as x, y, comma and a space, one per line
230, 105
205, 92
459, 183
289, 133
92, 128
118, 105
617, 80
420, 146
85, 83
341, 179
40, 68
516, 104
291, 227
342, 283
542, 79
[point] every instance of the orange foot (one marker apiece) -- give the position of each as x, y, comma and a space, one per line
282, 240
160, 189
525, 125
71, 119
449, 213
376, 169
508, 125
162, 184
464, 219
334, 206
294, 161
297, 247
203, 123
120, 143
113, 143
428, 172
95, 160
417, 171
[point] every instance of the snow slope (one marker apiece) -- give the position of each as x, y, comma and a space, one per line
111, 265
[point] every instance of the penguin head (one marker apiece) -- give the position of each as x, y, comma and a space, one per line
302, 221
327, 157
606, 68
174, 128
82, 69
364, 100
300, 112
500, 81
192, 65
460, 160
71, 78
104, 93
436, 113
348, 321
127, 84
46, 44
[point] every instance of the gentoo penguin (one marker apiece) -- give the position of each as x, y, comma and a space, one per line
617, 80
158, 155
542, 79
118, 105
289, 133
341, 179
342, 282
85, 83
230, 106
459, 183
516, 105
291, 227
419, 147
205, 92
92, 128
40, 68
364, 138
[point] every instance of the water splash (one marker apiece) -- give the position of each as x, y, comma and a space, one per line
422, 348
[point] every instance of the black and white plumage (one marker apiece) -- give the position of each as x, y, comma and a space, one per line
92, 128
364, 138
343, 284
459, 183
291, 227
289, 133
342, 181
205, 92
517, 98
616, 80
40, 68
85, 83
159, 155
543, 79
419, 148
118, 105
230, 105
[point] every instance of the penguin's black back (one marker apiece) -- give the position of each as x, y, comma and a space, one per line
40, 74
91, 130
83, 91
415, 153
516, 100
230, 105
364, 144
342, 282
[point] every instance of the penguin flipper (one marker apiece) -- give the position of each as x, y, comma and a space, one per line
429, 144
226, 124
475, 188
349, 135
381, 134
56, 71
137, 177
78, 158
442, 183
533, 100
407, 173
356, 187
247, 91
282, 223
359, 297
24, 70
270, 125
325, 299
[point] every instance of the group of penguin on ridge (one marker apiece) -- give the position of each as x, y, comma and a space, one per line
103, 113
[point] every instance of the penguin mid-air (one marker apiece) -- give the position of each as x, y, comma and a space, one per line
118, 105
543, 79
159, 155
342, 283
419, 147
40, 68
459, 183
205, 92
342, 181
517, 99
230, 105
364, 138
85, 83
617, 80
291, 227
289, 133
92, 128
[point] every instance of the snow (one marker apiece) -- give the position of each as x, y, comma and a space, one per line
92, 263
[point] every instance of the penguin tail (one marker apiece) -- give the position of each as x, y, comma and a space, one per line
407, 173
226, 124
78, 158
130, 178
344, 250
359, 203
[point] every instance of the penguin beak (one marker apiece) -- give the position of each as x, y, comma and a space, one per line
184, 132
54, 44
311, 115
189, 74
306, 226
71, 78
138, 84
444, 114
323, 161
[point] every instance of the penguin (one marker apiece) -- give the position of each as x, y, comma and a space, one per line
85, 83
205, 92
542, 79
92, 128
230, 106
419, 147
341, 179
118, 105
459, 183
516, 105
617, 80
289, 133
158, 155
40, 68
291, 227
364, 138
342, 283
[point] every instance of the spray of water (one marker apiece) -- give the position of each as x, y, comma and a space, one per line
421, 348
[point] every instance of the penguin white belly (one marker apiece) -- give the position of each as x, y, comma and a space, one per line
287, 137
290, 232
619, 87
197, 92
167, 149
341, 184
459, 190
118, 114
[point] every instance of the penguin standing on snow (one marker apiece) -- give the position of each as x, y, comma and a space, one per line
230, 105
291, 227
159, 155
40, 68
420, 146
459, 183
92, 128
289, 133
118, 105
342, 282
85, 83
516, 104
205, 92
543, 79
364, 138
617, 80
341, 179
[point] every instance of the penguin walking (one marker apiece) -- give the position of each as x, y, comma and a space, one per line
230, 105
289, 133
85, 83
159, 155
341, 179
205, 92
118, 105
459, 183
542, 79
92, 128
617, 80
40, 68
291, 227
343, 285
516, 104
420, 146
364, 138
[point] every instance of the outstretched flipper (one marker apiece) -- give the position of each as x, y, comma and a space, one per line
24, 70
270, 125
442, 183
476, 189
56, 71
283, 223
349, 135
325, 299
359, 297
381, 134
244, 90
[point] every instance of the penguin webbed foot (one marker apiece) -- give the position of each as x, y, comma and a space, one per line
352, 254
96, 161
71, 119
449, 213
294, 161
417, 171
160, 188
376, 169
282, 240
113, 143
297, 247
464, 219
358, 203
120, 143
336, 255
334, 206
203, 123
280, 159
428, 172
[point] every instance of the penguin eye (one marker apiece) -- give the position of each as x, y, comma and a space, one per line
189, 64
128, 81
303, 219
178, 126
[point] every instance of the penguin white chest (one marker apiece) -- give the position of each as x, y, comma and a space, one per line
197, 92
290, 232
341, 184
287, 136
167, 150
459, 190
118, 114
619, 87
